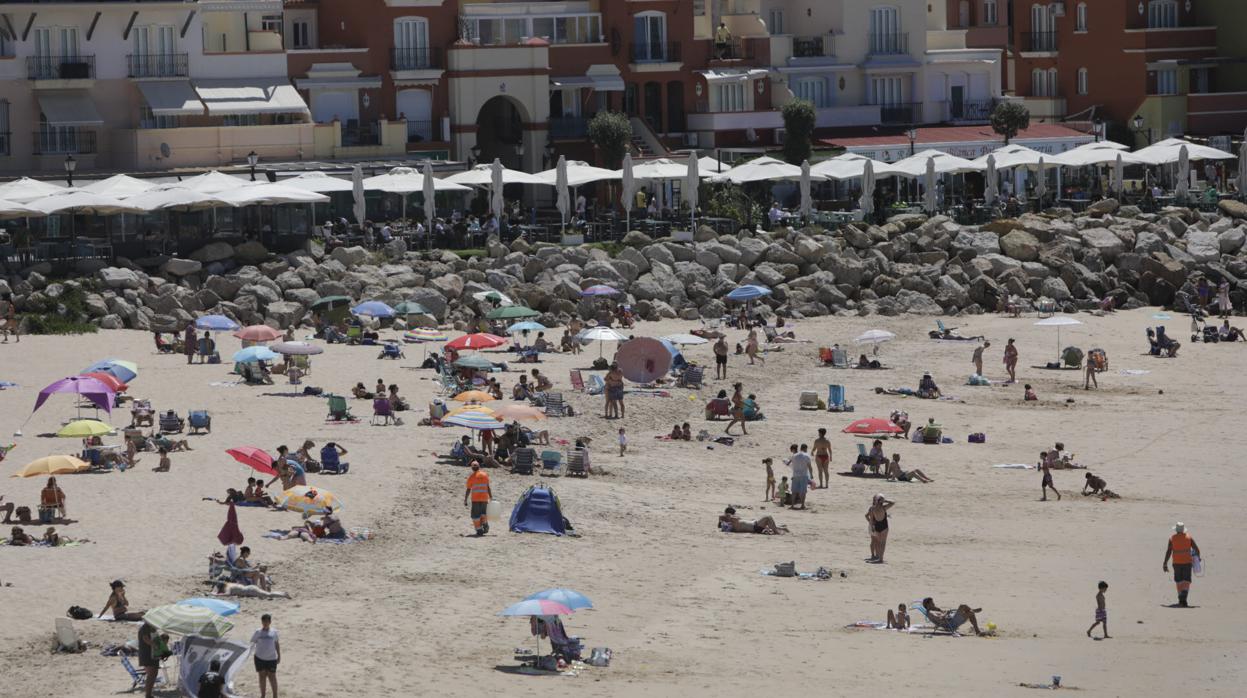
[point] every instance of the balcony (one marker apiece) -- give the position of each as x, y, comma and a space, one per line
987, 36
568, 127
356, 134
163, 65
63, 141
420, 58
966, 110
1215, 113
889, 44
1039, 42
895, 114
813, 46
1173, 39
734, 51
654, 52
60, 67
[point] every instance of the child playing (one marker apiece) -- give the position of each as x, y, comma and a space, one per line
900, 619
623, 442
1101, 613
1047, 477
782, 492
160, 646
163, 467
1030, 393
770, 480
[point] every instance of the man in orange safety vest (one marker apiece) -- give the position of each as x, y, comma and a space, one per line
479, 493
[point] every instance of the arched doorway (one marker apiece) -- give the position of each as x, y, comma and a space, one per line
500, 132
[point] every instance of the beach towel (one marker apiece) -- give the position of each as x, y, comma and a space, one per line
882, 625
1133, 372
822, 574
1015, 466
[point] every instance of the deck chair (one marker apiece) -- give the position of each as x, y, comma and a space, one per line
576, 463
141, 413
171, 423
569, 647
331, 463
597, 386
338, 410
550, 462
770, 333
578, 381
942, 328
824, 355
718, 407
932, 433
808, 400
839, 358
381, 410
66, 637
522, 461
836, 399
354, 334
137, 677
301, 362
391, 350
1045, 307
555, 406
693, 377
200, 420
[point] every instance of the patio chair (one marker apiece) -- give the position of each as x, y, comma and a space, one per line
522, 461
171, 423
576, 463
555, 407
381, 410
550, 462
836, 400
338, 409
200, 420
578, 381
693, 377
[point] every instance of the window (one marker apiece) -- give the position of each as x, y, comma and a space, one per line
1044, 83
1081, 19
1043, 29
557, 29
886, 91
154, 50
300, 34
731, 96
989, 12
1162, 14
1082, 81
411, 43
812, 90
649, 36
240, 120
56, 139
1054, 89
699, 8
1167, 82
885, 30
776, 25
149, 120
271, 23
6, 137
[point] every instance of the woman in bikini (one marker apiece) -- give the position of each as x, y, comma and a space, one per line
118, 603
877, 521
729, 522
738, 411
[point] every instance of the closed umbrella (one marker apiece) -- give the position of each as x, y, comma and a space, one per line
429, 202
1119, 176
358, 206
178, 619
928, 187
692, 182
257, 333
807, 204
1183, 182
230, 534
81, 428
496, 203
1041, 184
511, 312
563, 196
308, 500
990, 191
1242, 167
297, 348
254, 354
90, 388
52, 465
627, 189
477, 340
216, 323
1058, 321
867, 200
373, 309
255, 458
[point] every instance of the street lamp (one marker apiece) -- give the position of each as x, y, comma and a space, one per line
1138, 128
70, 165
913, 136
549, 152
476, 154
252, 159
1097, 127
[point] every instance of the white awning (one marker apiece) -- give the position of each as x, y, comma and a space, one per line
73, 108
713, 76
600, 83
171, 98
251, 96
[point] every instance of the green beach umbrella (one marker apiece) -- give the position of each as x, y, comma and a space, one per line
410, 308
330, 301
511, 312
188, 620
475, 362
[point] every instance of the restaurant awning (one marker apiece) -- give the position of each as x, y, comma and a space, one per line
171, 98
250, 96
72, 108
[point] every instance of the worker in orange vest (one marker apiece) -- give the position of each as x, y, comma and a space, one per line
479, 493
1184, 551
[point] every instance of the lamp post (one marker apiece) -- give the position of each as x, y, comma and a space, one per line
1138, 128
70, 165
1097, 127
913, 136
252, 159
476, 154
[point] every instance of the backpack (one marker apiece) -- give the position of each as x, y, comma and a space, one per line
79, 613
978, 438
313, 390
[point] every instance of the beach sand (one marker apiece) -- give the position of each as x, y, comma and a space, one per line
682, 606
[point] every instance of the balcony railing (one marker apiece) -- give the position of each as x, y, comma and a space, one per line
564, 127
736, 49
655, 52
897, 113
889, 44
157, 65
360, 134
419, 58
60, 67
969, 110
63, 141
1039, 41
811, 46
424, 131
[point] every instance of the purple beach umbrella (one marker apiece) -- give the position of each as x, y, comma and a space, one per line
92, 389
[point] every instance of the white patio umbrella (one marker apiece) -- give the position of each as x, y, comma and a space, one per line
579, 173
25, 189
710, 166
849, 166
990, 190
12, 209
429, 198
78, 201
874, 337
807, 203
175, 197
1119, 175
760, 169
406, 180
119, 186
1183, 183
600, 334
1101, 153
1041, 184
928, 188
213, 182
358, 204
867, 200
563, 196
497, 179
318, 182
270, 194
482, 175
1014, 155
1058, 321
1168, 151
916, 165
659, 169
692, 182
627, 189
685, 339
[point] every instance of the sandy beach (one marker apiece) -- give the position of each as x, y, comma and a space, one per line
683, 606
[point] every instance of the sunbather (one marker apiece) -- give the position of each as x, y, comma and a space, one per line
159, 441
899, 619
951, 620
118, 603
894, 472
359, 392
486, 460
729, 522
253, 574
246, 590
19, 537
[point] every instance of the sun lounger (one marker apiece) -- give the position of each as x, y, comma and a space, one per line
522, 461
381, 410
578, 381
141, 413
200, 420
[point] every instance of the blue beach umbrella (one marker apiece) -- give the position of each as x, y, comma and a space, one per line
568, 597
748, 292
217, 606
113, 367
216, 323
527, 325
256, 353
473, 419
373, 309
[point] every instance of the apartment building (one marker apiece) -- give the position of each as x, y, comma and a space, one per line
145, 85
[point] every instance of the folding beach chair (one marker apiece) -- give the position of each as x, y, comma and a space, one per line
836, 400
66, 637
381, 410
141, 413
576, 463
693, 377
824, 355
550, 462
338, 410
171, 423
808, 400
597, 386
839, 358
718, 407
555, 406
138, 678
522, 461
331, 462
932, 433
578, 381
200, 420
391, 350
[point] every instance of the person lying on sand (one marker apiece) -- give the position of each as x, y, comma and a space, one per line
246, 590
951, 620
898, 619
729, 522
159, 441
18, 536
894, 472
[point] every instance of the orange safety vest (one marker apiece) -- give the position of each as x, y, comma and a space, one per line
1181, 544
478, 486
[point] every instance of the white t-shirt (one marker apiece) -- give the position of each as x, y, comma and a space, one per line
265, 642
800, 463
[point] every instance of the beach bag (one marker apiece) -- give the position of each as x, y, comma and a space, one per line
978, 438
79, 613
600, 656
313, 390
786, 569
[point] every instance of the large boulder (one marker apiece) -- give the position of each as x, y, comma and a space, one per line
284, 313
449, 285
1055, 289
751, 251
981, 242
1233, 209
1020, 245
263, 294
250, 252
1108, 244
636, 238
213, 252
1203, 246
182, 267
1103, 207
116, 277
349, 256
1231, 241
432, 301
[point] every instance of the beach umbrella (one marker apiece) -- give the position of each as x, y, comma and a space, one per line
410, 308
221, 607
475, 362
52, 465
692, 183
255, 458
916, 165
465, 409
627, 189
25, 189
308, 500
424, 334
872, 426
685, 339
1183, 183
113, 382
257, 333
81, 428
297, 348
600, 334
571, 599
1041, 183
120, 186
1165, 152
270, 194
473, 396
12, 209
79, 201
482, 175
178, 619
928, 188
526, 326
474, 419
519, 413
874, 337
536, 607
319, 182
867, 200
373, 309
124, 371
748, 292
709, 165
90, 388
493, 296
358, 204
599, 290
807, 204
230, 534
406, 180
850, 166
214, 182
429, 197
216, 323
562, 195
330, 302
1119, 175
253, 354
511, 312
497, 181
643, 359
477, 340
579, 173
1058, 321
759, 170
175, 197
990, 191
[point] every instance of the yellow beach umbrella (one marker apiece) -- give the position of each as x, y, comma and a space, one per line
84, 427
52, 465
480, 409
308, 500
473, 396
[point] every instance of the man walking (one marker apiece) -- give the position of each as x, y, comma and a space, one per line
1183, 549
978, 358
479, 492
720, 358
802, 473
267, 653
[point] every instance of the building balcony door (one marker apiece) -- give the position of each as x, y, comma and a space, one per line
417, 106
676, 122
653, 106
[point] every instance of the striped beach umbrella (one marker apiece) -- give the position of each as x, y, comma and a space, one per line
425, 334
181, 619
475, 419
308, 500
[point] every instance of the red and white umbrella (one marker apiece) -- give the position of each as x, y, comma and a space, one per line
873, 425
478, 340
